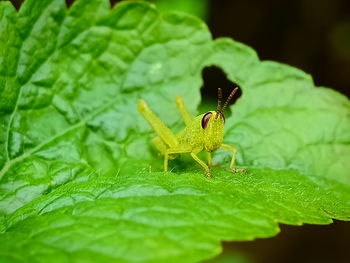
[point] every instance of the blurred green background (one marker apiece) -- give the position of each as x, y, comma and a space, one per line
311, 35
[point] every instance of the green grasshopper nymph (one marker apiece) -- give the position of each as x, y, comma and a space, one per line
204, 132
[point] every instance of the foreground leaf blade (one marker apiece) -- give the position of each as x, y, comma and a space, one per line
107, 216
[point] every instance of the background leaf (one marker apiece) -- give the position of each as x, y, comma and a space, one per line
282, 121
58, 131
79, 180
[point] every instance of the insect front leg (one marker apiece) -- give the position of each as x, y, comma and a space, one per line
206, 167
234, 152
176, 150
210, 162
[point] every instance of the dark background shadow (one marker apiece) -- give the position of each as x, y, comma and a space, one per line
307, 243
312, 35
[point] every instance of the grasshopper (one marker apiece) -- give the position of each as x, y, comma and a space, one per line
204, 132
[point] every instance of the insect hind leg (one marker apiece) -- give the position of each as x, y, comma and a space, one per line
158, 126
183, 110
158, 142
161, 147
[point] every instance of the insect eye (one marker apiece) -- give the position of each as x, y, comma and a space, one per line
205, 119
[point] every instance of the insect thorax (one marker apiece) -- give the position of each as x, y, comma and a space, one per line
209, 138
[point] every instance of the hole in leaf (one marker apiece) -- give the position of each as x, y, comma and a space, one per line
69, 3
214, 78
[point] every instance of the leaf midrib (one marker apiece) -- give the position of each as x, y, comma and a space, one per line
22, 84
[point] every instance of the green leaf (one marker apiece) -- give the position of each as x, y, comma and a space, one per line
79, 179
167, 217
57, 131
198, 8
282, 121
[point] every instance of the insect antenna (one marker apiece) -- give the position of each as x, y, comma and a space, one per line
229, 98
219, 99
